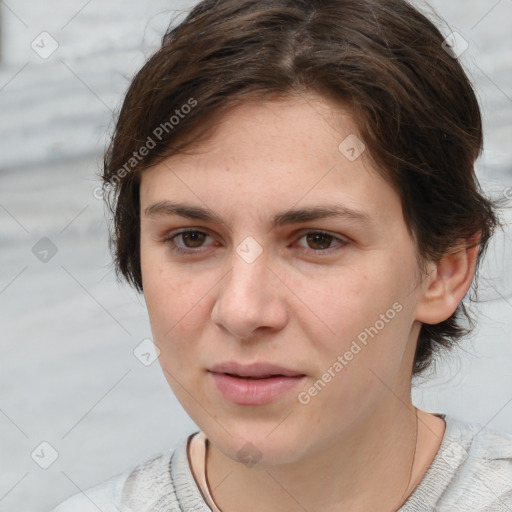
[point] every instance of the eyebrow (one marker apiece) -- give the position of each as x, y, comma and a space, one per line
293, 216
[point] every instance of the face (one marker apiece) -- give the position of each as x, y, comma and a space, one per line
271, 243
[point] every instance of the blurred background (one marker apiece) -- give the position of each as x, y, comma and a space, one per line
81, 396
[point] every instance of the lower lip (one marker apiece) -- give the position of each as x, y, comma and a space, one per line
253, 391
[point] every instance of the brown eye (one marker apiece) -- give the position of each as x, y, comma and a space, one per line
190, 241
321, 243
319, 240
193, 239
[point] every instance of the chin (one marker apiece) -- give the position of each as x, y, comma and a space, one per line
253, 445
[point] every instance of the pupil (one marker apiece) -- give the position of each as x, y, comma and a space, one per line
317, 238
195, 237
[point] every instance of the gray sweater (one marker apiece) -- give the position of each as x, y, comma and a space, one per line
472, 472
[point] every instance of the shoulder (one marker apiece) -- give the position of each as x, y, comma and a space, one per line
104, 497
117, 493
483, 458
484, 448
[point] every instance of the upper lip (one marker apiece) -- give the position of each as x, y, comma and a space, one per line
254, 370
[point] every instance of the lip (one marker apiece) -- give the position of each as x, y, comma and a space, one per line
238, 387
254, 370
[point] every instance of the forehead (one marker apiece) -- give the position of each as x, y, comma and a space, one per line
275, 154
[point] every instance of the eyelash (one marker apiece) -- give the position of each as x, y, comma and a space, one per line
169, 240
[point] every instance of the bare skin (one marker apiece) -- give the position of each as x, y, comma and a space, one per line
300, 304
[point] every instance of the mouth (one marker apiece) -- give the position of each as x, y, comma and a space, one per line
257, 384
254, 378
254, 371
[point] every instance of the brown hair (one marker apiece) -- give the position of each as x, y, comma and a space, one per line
414, 106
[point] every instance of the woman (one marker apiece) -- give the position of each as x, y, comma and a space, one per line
293, 190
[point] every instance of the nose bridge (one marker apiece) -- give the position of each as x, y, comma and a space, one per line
248, 298
248, 267
248, 280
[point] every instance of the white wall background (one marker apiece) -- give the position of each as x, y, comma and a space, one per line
68, 374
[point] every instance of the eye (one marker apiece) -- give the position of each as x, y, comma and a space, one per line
192, 239
321, 242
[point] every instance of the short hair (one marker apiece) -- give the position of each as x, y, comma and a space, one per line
413, 104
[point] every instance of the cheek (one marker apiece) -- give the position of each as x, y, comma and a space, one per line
345, 301
169, 293
173, 310
361, 312
179, 302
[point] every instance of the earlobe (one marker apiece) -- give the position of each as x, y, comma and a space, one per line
447, 284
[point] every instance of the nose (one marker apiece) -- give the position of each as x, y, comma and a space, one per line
250, 299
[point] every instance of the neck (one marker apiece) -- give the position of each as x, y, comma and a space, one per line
375, 466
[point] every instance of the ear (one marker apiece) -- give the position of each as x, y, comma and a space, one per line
447, 283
